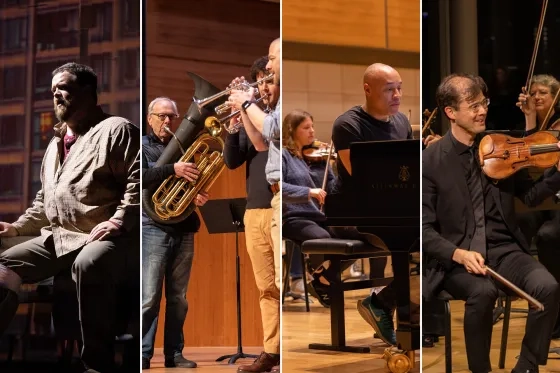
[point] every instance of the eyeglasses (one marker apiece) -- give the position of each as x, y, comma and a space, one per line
162, 116
476, 106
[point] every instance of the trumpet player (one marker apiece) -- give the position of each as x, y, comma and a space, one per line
167, 250
263, 132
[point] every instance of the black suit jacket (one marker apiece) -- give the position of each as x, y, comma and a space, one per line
447, 212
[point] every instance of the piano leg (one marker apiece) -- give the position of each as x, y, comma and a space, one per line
408, 336
338, 327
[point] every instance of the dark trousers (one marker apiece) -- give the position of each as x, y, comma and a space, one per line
480, 294
544, 228
433, 317
97, 268
300, 230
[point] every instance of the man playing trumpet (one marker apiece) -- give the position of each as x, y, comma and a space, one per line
263, 131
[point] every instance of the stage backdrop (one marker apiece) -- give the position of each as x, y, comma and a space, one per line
218, 40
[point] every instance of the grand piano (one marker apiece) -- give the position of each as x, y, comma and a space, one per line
384, 200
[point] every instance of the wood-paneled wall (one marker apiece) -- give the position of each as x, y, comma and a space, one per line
218, 40
384, 24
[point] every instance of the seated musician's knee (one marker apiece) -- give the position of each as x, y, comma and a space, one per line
547, 288
8, 278
548, 237
484, 294
92, 265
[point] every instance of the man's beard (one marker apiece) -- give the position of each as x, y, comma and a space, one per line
65, 111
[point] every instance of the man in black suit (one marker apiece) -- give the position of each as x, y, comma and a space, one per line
469, 223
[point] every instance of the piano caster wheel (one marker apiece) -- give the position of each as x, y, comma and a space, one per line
399, 362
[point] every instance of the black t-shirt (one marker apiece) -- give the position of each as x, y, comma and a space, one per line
356, 125
239, 150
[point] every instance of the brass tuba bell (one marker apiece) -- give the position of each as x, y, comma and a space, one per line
173, 200
175, 196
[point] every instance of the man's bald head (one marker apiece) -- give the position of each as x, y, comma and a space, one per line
275, 44
382, 87
274, 59
378, 71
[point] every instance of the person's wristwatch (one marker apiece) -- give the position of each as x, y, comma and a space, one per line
246, 104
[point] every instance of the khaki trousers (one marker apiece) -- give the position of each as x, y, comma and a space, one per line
263, 251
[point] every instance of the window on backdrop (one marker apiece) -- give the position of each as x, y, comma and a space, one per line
13, 83
43, 123
14, 35
12, 131
130, 111
11, 181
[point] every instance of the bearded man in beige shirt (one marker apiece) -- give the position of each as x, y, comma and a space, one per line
86, 214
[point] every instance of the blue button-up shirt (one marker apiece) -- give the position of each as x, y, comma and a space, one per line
271, 134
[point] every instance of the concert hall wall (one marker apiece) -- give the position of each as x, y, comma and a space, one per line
327, 45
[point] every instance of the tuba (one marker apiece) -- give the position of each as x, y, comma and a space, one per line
173, 200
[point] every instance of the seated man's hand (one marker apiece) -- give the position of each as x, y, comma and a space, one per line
7, 230
103, 231
472, 260
201, 199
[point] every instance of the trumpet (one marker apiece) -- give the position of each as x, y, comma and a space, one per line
220, 109
214, 121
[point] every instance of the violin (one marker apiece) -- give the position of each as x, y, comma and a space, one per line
318, 152
501, 155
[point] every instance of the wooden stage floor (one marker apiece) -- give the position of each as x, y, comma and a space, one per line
433, 359
301, 328
205, 357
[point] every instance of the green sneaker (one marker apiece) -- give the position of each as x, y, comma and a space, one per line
379, 319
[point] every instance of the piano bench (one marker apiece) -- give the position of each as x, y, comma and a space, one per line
336, 251
446, 298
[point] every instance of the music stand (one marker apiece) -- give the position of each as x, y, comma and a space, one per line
226, 216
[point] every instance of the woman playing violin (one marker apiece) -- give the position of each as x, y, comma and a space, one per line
543, 89
303, 195
543, 226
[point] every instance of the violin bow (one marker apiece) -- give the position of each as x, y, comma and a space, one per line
326, 171
427, 123
549, 113
536, 47
536, 304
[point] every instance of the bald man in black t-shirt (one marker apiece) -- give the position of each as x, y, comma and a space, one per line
378, 119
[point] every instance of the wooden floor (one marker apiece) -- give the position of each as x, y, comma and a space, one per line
301, 328
433, 359
205, 357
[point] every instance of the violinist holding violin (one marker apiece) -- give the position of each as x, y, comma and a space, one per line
540, 101
542, 225
303, 194
469, 222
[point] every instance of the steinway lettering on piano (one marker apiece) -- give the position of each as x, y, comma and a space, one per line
388, 186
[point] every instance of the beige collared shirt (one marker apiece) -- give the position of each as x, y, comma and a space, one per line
99, 180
